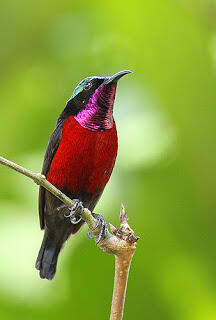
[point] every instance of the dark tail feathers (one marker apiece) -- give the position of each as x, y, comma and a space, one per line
47, 258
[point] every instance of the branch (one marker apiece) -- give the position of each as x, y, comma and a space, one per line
122, 244
40, 179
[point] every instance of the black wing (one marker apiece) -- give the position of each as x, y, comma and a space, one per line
49, 155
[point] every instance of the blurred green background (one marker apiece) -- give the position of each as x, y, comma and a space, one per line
166, 168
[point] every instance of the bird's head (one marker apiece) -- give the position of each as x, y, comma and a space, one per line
92, 101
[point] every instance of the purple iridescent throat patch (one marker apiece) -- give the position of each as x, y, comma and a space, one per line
98, 113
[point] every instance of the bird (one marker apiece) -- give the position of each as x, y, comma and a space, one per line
79, 160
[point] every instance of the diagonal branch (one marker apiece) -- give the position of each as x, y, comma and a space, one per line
122, 244
40, 179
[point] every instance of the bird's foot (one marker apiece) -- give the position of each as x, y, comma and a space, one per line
89, 234
73, 215
103, 227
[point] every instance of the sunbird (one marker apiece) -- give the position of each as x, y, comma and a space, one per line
79, 160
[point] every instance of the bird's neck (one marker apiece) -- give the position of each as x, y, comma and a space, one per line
98, 113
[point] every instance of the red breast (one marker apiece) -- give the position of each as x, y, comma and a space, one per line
84, 160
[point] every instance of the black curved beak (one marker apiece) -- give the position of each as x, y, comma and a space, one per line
116, 76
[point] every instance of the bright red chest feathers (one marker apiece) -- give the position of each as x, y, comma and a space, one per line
84, 160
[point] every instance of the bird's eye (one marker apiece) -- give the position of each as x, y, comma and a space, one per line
87, 86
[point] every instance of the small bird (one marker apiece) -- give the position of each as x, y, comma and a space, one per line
79, 160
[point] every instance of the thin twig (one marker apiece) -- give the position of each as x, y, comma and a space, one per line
122, 264
40, 179
122, 244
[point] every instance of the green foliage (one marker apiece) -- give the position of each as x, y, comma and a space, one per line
165, 173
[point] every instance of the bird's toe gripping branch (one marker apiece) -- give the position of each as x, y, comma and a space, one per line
75, 211
102, 225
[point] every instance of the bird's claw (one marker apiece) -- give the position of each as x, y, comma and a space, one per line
74, 219
104, 229
89, 235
